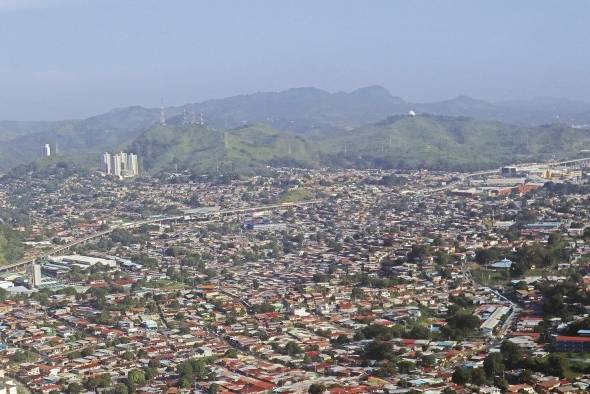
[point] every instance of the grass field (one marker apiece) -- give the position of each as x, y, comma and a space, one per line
165, 284
296, 195
490, 278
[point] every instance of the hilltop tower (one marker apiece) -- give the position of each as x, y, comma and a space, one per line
185, 117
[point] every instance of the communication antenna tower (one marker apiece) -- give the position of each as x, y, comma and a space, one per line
162, 116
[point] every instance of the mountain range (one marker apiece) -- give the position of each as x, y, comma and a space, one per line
309, 126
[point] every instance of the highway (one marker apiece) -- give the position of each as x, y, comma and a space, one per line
139, 223
523, 167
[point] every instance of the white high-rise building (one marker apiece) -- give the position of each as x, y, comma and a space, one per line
121, 164
132, 164
117, 170
35, 275
124, 166
107, 163
46, 150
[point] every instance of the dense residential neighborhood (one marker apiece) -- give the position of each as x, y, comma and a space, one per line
339, 281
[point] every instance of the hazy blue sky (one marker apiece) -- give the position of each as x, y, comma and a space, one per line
73, 58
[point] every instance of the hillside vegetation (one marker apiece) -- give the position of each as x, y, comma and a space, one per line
308, 111
10, 245
424, 141
80, 140
442, 142
201, 149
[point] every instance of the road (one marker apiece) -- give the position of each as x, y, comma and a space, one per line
514, 309
523, 166
426, 192
139, 223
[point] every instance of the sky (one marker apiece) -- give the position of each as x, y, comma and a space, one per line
76, 58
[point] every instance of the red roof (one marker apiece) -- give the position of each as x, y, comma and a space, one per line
534, 335
564, 338
348, 390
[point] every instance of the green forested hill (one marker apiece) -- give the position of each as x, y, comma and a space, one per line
328, 120
198, 148
424, 141
448, 142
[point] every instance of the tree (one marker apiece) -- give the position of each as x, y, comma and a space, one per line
22, 356
417, 332
357, 293
292, 348
478, 377
484, 256
460, 323
461, 376
136, 377
150, 373
428, 360
200, 368
128, 356
493, 365
320, 277
502, 384
511, 354
378, 350
405, 366
213, 388
99, 381
186, 373
553, 305
316, 388
74, 388
387, 369
184, 382
557, 365
519, 268
121, 389
342, 339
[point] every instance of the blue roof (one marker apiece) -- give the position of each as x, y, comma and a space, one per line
505, 263
544, 224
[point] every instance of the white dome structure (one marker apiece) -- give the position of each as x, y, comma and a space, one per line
412, 113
